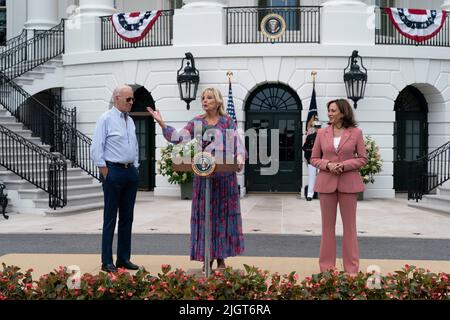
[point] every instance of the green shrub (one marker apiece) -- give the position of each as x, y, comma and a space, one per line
229, 284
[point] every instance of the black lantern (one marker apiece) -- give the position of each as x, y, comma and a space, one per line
188, 80
355, 80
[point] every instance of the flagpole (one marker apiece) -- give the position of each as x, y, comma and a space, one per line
229, 75
313, 75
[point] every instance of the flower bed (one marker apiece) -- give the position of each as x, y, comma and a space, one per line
253, 283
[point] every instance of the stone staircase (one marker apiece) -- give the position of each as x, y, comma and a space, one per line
84, 193
439, 202
42, 77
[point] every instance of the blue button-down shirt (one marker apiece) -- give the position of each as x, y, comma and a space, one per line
114, 139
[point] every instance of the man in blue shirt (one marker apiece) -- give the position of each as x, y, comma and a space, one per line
115, 152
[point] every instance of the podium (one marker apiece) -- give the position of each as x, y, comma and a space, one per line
204, 165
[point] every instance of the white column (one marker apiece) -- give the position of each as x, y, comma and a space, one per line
83, 30
203, 3
349, 22
96, 8
343, 2
446, 5
206, 20
42, 14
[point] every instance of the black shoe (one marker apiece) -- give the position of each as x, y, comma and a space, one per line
109, 267
127, 265
308, 199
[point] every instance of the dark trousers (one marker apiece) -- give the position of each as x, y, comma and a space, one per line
119, 189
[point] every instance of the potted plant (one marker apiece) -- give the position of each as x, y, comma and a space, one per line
184, 179
373, 165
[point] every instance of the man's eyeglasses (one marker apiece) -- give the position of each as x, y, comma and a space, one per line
129, 99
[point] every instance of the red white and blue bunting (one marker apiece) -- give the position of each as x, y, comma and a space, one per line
134, 26
417, 24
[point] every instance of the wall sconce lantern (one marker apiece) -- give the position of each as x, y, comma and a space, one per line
188, 80
355, 80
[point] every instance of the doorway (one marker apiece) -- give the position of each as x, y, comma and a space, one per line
410, 133
145, 133
275, 106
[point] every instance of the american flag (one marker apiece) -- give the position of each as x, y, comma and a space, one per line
312, 113
230, 105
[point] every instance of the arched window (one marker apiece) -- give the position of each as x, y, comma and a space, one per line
273, 98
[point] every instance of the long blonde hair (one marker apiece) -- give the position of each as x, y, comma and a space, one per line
218, 97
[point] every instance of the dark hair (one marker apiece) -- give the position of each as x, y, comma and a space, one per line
348, 120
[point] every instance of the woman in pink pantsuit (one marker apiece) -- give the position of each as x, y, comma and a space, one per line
339, 151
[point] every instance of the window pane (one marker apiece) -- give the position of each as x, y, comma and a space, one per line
416, 126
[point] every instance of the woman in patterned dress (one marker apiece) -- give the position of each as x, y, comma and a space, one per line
226, 223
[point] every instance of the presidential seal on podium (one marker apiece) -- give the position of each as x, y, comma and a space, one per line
203, 164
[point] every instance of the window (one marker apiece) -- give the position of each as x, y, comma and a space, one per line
2, 22
384, 25
290, 16
176, 4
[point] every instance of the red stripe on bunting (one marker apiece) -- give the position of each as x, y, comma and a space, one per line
417, 11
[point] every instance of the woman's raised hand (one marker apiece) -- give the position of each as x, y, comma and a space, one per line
157, 116
241, 162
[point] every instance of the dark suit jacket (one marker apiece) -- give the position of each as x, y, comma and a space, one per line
308, 146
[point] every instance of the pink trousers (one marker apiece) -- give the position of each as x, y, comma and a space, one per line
347, 205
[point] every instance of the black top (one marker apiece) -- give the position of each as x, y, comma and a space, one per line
308, 145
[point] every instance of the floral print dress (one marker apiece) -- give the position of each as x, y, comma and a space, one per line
227, 239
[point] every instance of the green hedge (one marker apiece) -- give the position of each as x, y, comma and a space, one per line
253, 283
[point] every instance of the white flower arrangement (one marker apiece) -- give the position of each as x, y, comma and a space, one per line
374, 161
165, 164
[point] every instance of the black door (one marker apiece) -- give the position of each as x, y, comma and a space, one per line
145, 132
145, 136
410, 134
254, 180
274, 106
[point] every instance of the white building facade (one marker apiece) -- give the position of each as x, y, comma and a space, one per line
406, 107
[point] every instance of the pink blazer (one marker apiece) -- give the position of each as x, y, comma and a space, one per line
351, 152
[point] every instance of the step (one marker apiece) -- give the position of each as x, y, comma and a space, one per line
440, 200
81, 190
444, 191
68, 210
32, 163
24, 164
430, 207
24, 133
35, 74
13, 126
57, 61
14, 156
78, 200
47, 68
4, 118
9, 148
24, 81
20, 184
9, 175
35, 140
71, 191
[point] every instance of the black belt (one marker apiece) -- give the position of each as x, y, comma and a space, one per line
118, 164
